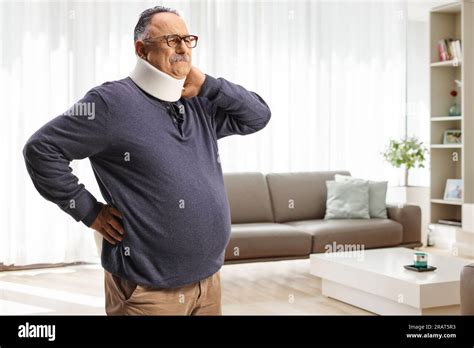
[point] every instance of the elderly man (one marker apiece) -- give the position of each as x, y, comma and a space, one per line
151, 139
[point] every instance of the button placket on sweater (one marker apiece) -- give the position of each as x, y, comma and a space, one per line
171, 110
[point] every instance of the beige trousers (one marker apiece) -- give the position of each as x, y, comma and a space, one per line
123, 297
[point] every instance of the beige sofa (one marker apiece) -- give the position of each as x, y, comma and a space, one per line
467, 290
281, 216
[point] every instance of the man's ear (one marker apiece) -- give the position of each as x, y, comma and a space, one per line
140, 49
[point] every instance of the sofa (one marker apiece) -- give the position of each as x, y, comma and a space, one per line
467, 290
281, 216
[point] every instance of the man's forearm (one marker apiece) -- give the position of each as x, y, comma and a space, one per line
236, 110
52, 177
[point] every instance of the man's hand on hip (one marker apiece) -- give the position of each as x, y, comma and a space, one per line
107, 224
193, 83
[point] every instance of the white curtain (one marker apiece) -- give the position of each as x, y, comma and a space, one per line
332, 72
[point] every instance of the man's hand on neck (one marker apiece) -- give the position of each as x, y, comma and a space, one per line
193, 83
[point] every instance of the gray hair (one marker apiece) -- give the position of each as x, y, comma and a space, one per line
145, 19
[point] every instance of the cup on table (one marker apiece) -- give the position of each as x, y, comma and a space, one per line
420, 259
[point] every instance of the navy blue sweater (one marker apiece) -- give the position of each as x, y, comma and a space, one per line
166, 180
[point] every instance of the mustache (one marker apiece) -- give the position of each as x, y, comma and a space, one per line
179, 58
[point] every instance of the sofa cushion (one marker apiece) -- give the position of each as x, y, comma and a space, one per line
371, 233
299, 196
248, 196
377, 195
347, 200
262, 240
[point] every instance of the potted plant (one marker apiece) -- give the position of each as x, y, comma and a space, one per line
406, 153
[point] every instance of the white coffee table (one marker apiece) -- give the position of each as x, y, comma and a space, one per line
376, 281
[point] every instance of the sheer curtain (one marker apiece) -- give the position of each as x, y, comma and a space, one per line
332, 72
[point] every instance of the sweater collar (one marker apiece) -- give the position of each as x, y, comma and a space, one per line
155, 82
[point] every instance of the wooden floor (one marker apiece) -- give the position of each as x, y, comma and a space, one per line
278, 287
262, 288
259, 288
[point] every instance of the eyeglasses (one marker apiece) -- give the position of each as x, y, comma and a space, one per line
174, 40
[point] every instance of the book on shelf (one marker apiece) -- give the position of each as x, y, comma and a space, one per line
449, 49
451, 222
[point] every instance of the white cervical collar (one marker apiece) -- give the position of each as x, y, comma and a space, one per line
155, 82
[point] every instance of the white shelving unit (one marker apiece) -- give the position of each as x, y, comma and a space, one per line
446, 118
452, 21
449, 63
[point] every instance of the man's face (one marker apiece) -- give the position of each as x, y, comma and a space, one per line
175, 61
